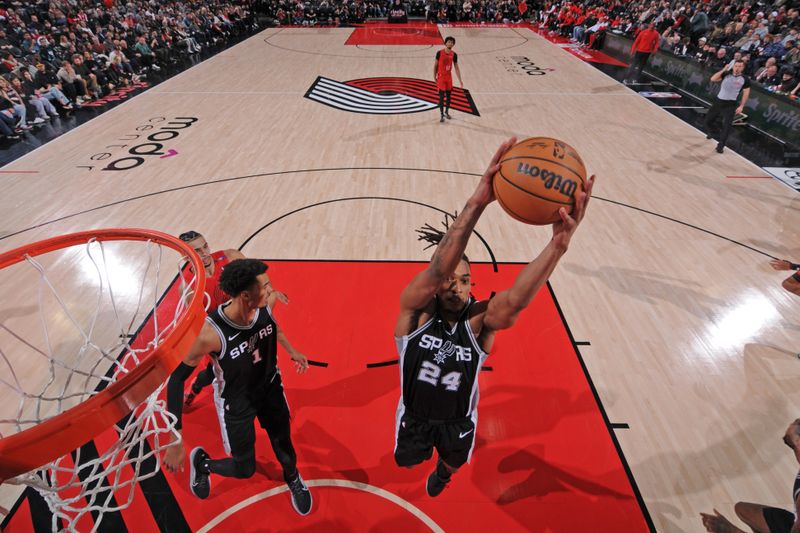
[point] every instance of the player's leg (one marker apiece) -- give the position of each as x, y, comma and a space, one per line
441, 105
448, 94
763, 519
454, 444
274, 417
204, 378
413, 439
238, 426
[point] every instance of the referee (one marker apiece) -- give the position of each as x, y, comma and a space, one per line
734, 83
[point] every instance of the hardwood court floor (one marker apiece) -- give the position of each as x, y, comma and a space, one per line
692, 339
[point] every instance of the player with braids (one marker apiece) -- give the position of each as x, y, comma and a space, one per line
241, 336
443, 335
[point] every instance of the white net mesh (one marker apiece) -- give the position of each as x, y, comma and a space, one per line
100, 308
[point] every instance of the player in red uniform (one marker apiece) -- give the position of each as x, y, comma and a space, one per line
214, 296
214, 263
446, 59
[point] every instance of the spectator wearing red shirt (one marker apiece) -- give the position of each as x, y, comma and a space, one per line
645, 44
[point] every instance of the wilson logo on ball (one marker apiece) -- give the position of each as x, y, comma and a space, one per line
386, 96
551, 179
538, 178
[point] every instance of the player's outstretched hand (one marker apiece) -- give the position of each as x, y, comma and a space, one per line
300, 362
716, 523
564, 228
484, 194
780, 264
175, 457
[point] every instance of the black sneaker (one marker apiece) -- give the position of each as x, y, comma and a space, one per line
447, 116
720, 148
435, 484
441, 119
301, 497
708, 136
199, 481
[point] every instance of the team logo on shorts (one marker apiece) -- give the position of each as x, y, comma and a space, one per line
386, 96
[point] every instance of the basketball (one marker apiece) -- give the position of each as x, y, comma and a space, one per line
538, 176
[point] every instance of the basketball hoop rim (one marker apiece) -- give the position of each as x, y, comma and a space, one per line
59, 435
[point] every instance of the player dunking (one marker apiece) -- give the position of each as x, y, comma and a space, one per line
443, 336
242, 338
446, 60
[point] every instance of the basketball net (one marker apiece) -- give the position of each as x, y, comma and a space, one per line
117, 322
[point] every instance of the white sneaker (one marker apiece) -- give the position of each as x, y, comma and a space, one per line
38, 120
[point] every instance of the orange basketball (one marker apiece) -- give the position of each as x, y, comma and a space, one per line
538, 176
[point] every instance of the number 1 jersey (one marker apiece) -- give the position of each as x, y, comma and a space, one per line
249, 355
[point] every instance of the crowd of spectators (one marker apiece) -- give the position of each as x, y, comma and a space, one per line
57, 55
348, 12
765, 36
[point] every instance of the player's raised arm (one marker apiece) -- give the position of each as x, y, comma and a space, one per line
208, 341
504, 308
422, 288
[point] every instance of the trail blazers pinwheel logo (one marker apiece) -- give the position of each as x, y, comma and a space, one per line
386, 96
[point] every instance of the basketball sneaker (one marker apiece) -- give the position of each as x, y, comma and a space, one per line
435, 484
441, 119
301, 497
199, 481
447, 116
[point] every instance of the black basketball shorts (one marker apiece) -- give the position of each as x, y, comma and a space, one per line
268, 405
417, 437
778, 520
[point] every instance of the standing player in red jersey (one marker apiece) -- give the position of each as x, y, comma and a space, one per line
446, 59
214, 296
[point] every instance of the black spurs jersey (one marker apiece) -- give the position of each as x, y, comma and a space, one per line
439, 368
249, 354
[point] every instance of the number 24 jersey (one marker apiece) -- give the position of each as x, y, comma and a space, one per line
439, 368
